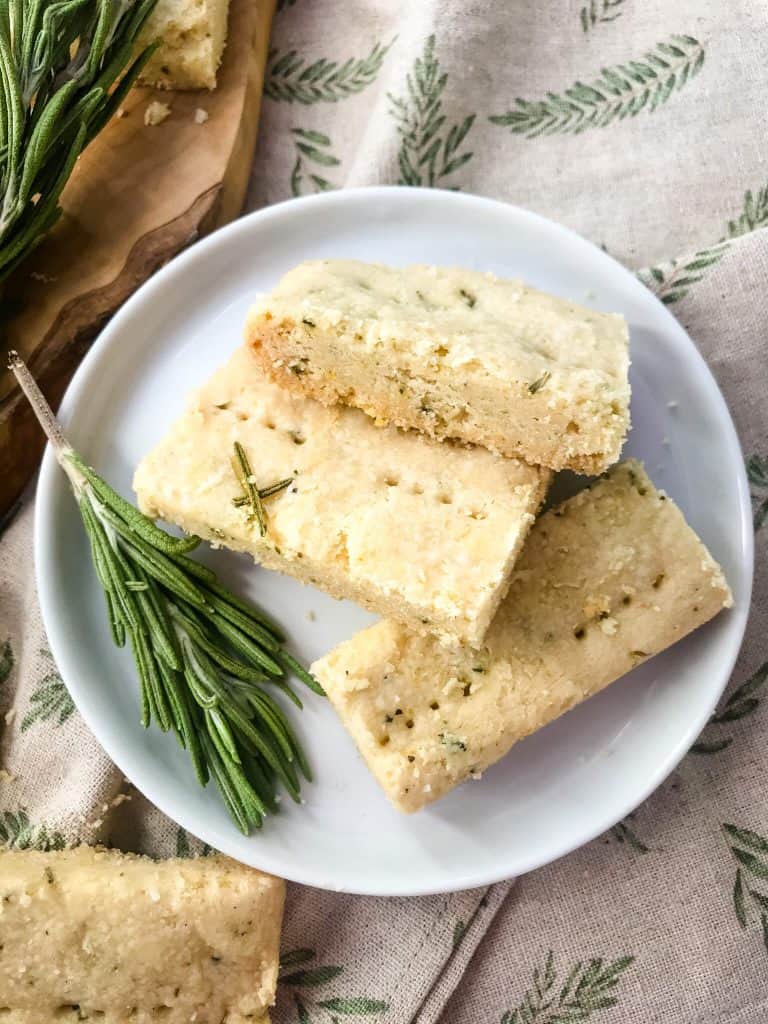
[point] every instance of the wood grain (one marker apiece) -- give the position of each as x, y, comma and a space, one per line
139, 194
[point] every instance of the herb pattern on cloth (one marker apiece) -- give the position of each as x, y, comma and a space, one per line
315, 991
599, 12
430, 150
625, 833
744, 701
18, 833
587, 988
188, 846
312, 148
292, 79
750, 851
51, 700
6, 660
671, 281
623, 90
757, 472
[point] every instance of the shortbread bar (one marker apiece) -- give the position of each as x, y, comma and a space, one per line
423, 532
455, 354
605, 581
91, 934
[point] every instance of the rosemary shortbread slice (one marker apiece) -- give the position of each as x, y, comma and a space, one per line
423, 532
97, 934
191, 35
605, 580
455, 354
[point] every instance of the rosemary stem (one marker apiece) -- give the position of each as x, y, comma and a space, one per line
62, 449
40, 406
205, 658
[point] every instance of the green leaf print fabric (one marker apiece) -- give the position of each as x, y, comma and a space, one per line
642, 125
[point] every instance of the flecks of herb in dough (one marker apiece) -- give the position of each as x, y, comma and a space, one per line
539, 383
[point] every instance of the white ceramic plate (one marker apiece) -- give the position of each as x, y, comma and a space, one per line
557, 789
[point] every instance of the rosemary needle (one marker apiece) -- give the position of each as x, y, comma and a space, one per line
264, 492
205, 658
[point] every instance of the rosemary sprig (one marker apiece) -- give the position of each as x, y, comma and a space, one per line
205, 658
65, 68
244, 474
253, 496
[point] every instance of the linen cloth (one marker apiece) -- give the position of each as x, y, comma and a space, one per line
640, 124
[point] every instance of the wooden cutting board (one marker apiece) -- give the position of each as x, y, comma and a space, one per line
138, 195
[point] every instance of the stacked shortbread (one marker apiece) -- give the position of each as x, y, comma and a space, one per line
421, 531
420, 413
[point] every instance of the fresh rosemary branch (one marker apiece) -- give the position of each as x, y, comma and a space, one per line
65, 67
205, 658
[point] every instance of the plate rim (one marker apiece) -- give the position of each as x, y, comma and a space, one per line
45, 526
